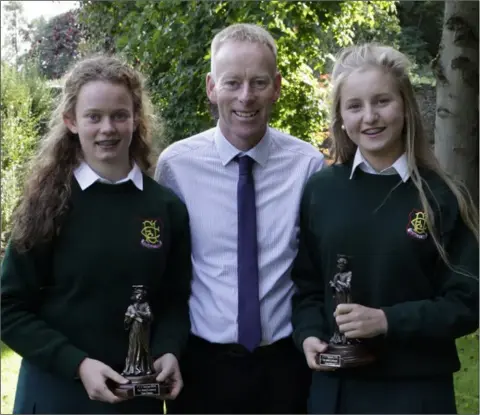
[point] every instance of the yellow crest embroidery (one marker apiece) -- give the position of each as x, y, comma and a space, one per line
417, 224
151, 234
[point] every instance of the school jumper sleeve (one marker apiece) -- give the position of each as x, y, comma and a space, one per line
453, 311
307, 302
23, 276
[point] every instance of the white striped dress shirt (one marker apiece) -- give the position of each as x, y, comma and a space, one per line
202, 171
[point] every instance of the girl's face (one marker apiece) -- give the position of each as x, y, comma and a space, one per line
104, 121
372, 111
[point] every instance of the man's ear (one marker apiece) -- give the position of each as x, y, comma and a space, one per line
211, 88
71, 124
277, 84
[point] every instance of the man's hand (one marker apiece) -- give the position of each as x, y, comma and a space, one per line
359, 322
312, 346
94, 376
169, 371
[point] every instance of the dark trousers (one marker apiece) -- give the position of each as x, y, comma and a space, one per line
227, 379
336, 394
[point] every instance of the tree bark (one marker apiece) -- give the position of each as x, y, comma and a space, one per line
456, 70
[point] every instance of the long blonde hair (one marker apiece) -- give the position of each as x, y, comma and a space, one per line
47, 189
417, 149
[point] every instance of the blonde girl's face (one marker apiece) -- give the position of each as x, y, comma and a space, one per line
372, 112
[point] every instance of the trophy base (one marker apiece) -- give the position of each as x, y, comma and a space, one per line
345, 356
145, 386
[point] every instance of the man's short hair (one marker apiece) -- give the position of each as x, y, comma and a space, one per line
242, 32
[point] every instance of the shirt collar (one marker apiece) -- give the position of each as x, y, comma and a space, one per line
400, 166
86, 176
228, 152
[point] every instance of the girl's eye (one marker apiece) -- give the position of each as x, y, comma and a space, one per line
121, 117
94, 117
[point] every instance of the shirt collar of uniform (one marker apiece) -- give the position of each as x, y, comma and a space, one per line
400, 166
86, 176
228, 152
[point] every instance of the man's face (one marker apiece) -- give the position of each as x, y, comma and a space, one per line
244, 87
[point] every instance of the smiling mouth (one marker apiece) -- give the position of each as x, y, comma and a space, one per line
107, 143
373, 131
246, 114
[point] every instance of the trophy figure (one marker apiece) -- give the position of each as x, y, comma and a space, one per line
139, 363
343, 352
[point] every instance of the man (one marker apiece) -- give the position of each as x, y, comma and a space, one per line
242, 182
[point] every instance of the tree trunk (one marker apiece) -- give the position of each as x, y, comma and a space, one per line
456, 70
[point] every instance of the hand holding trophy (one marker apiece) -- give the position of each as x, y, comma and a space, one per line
343, 352
139, 363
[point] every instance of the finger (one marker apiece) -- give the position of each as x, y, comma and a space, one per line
109, 373
358, 334
311, 359
344, 318
177, 387
108, 396
165, 373
344, 309
316, 348
104, 394
348, 327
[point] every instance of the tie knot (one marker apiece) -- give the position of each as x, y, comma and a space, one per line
245, 164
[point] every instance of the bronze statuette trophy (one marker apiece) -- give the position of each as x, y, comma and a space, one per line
139, 363
343, 352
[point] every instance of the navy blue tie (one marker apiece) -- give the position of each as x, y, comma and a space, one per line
249, 325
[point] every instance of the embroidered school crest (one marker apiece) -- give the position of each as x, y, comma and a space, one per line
151, 234
417, 224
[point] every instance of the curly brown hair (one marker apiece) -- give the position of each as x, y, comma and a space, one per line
47, 187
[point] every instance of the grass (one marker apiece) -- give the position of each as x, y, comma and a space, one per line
9, 369
466, 380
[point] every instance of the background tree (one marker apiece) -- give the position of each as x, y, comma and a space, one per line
16, 31
25, 105
421, 23
55, 44
169, 42
456, 70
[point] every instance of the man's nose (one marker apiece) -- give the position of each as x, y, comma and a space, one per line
246, 93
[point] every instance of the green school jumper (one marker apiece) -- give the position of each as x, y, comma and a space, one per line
378, 222
66, 300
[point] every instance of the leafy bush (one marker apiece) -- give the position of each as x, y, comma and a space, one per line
25, 106
169, 42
